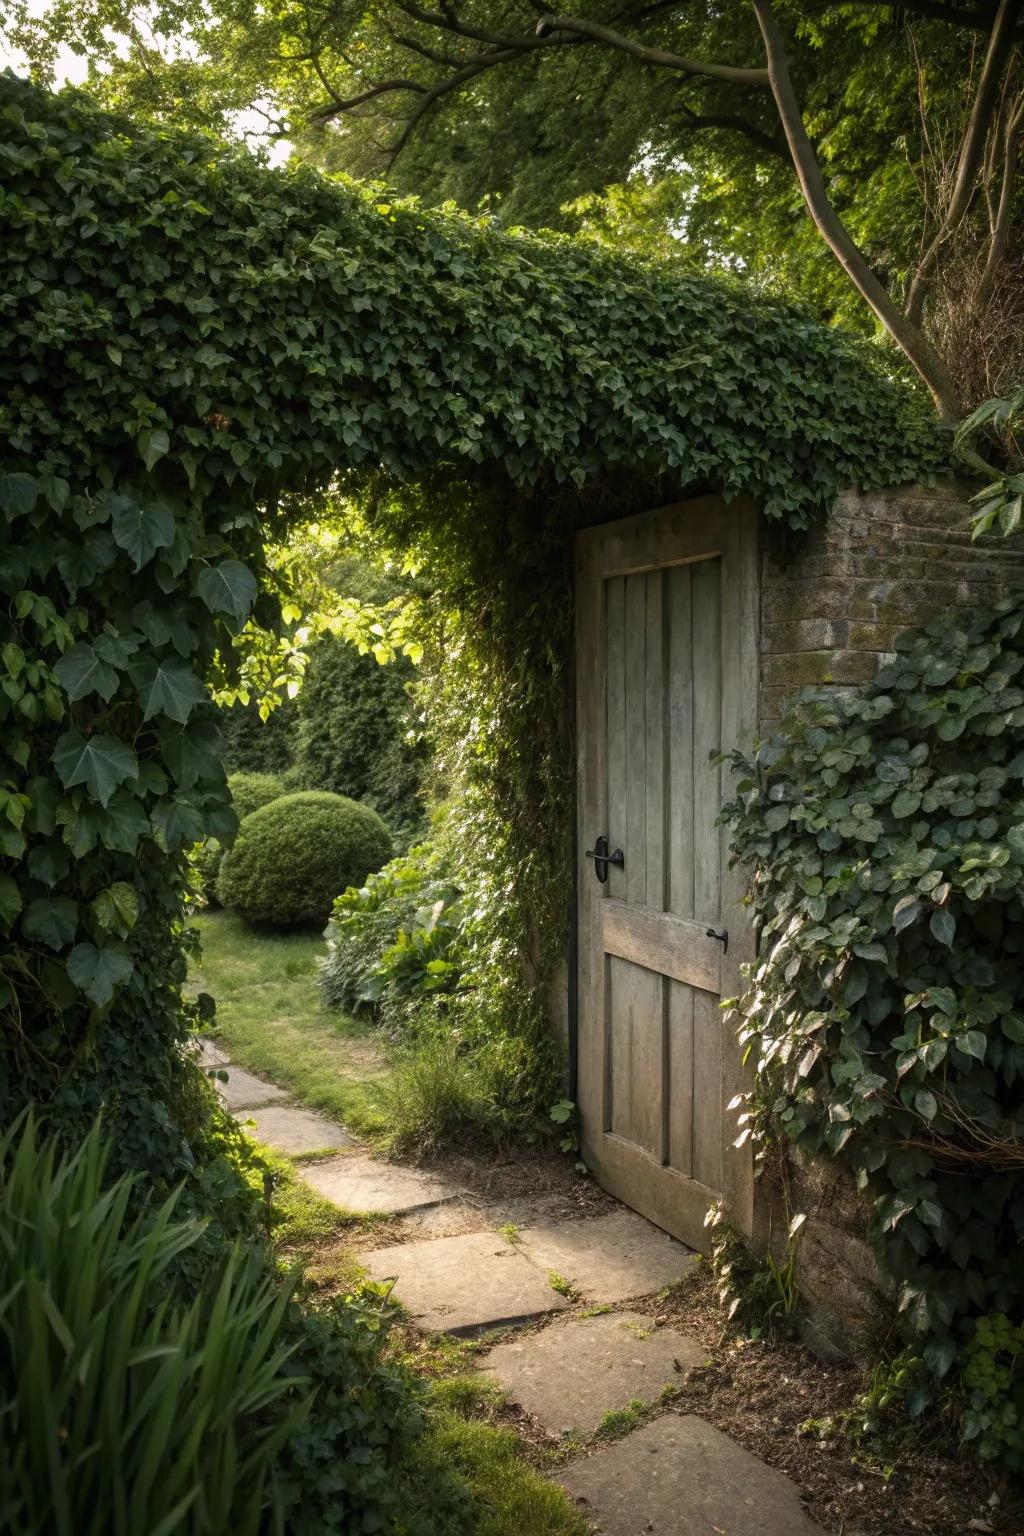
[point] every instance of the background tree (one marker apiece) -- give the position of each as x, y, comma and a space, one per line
891, 133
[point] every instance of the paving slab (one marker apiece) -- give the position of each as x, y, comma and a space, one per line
362, 1183
571, 1374
244, 1091
464, 1284
211, 1054
608, 1258
679, 1476
290, 1129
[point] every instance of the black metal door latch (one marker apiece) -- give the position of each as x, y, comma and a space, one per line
602, 858
722, 935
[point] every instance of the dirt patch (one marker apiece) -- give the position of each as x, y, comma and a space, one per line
787, 1407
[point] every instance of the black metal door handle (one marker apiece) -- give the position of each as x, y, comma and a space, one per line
722, 935
602, 858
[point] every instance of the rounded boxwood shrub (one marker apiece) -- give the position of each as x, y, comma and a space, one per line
251, 791
292, 857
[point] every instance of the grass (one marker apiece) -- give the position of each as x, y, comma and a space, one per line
271, 1021
270, 1018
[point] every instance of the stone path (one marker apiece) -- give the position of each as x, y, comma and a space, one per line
579, 1354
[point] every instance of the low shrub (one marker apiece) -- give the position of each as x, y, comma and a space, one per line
124, 1409
396, 935
993, 1385
292, 856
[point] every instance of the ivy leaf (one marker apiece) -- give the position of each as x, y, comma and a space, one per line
974, 1043
101, 763
18, 495
81, 672
168, 687
99, 972
925, 1104
905, 912
177, 823
123, 823
228, 588
906, 802
939, 1355
776, 818
141, 531
10, 900
943, 926
48, 862
117, 908
153, 444
52, 921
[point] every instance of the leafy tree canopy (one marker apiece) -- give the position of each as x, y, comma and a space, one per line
497, 102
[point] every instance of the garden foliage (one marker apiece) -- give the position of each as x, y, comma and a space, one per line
189, 344
125, 1408
396, 935
291, 855
885, 1014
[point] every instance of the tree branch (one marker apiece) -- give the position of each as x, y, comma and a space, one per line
908, 337
757, 136
1012, 135
972, 150
734, 74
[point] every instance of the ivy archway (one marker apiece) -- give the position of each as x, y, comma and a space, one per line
190, 342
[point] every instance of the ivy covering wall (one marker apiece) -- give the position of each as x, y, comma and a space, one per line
190, 343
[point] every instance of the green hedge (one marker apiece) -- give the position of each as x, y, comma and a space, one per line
291, 858
354, 720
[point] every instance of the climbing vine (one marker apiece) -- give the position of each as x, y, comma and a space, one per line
885, 1014
191, 347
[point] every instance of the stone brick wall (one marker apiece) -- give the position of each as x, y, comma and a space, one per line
885, 560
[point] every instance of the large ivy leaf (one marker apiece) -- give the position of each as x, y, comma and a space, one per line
168, 687
101, 763
193, 754
177, 823
99, 972
51, 920
228, 588
122, 823
117, 908
80, 672
48, 862
141, 530
18, 495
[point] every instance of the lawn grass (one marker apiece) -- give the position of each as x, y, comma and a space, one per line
271, 1021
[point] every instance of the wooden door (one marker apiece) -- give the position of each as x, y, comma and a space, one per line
666, 675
